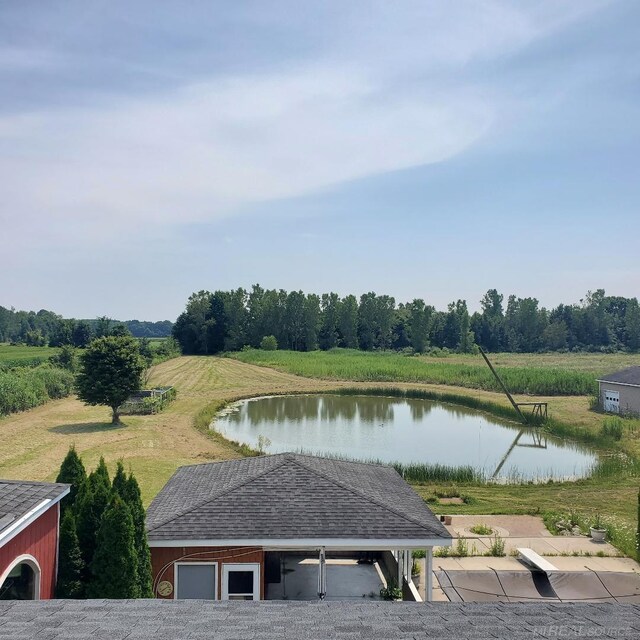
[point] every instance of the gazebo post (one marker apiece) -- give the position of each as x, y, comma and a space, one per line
400, 567
428, 578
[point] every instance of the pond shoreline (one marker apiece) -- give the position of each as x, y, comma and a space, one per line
449, 464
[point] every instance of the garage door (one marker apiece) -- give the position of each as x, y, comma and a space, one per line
611, 401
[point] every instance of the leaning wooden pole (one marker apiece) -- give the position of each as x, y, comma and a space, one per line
504, 388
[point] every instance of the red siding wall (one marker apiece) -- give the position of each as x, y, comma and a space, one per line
163, 556
39, 539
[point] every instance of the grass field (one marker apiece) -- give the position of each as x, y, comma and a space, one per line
20, 355
596, 364
35, 441
472, 372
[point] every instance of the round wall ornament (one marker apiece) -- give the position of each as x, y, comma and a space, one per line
165, 588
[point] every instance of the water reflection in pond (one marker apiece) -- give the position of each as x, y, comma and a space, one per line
403, 430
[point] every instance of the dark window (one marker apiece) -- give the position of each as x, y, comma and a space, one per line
240, 582
20, 584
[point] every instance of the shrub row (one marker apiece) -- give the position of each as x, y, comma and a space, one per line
24, 388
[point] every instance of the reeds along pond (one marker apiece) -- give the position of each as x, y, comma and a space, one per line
364, 366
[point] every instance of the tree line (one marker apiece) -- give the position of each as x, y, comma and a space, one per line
232, 320
48, 328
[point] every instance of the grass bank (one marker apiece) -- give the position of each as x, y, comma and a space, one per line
362, 366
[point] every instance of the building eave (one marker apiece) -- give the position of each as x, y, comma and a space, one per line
335, 544
28, 518
622, 384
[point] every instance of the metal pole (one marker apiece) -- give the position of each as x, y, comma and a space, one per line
322, 575
502, 384
428, 578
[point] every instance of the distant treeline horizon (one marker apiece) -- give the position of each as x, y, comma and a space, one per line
233, 320
48, 328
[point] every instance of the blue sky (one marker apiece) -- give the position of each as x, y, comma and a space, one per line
420, 149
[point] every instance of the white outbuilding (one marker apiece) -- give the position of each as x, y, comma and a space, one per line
620, 391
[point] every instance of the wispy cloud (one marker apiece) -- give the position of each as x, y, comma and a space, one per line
377, 100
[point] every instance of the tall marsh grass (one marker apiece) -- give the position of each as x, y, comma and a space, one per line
363, 366
25, 388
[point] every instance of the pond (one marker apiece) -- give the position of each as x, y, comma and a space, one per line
402, 430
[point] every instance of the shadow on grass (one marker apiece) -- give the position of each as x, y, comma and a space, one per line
86, 427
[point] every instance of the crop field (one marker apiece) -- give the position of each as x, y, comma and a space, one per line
20, 355
472, 372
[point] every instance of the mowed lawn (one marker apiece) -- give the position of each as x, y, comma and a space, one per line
35, 442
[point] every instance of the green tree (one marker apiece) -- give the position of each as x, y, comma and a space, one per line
101, 474
311, 322
419, 321
385, 313
329, 321
91, 502
111, 370
368, 321
130, 493
81, 334
71, 472
632, 325
119, 481
102, 326
348, 322
66, 358
70, 563
62, 334
115, 564
269, 343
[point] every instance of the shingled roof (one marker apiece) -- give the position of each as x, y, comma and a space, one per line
630, 375
19, 497
198, 619
290, 496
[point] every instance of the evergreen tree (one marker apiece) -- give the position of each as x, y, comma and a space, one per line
70, 563
120, 481
91, 502
71, 472
115, 563
101, 473
133, 498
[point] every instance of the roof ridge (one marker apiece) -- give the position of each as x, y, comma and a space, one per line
362, 494
370, 463
222, 492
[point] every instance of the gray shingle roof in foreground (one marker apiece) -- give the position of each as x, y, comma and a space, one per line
630, 375
18, 497
197, 620
287, 496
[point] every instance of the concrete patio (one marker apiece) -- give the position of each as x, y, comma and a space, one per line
567, 553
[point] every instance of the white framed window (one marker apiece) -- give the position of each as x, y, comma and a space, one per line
241, 581
195, 581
